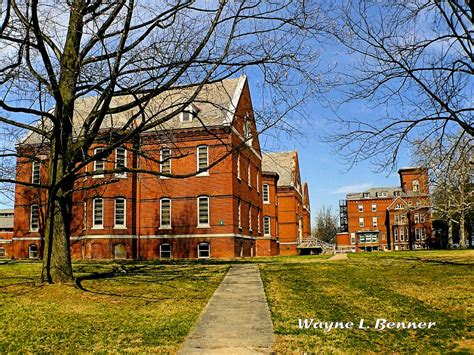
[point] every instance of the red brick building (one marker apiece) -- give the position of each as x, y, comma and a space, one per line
217, 213
388, 218
292, 205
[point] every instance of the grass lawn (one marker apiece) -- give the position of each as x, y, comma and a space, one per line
148, 308
417, 286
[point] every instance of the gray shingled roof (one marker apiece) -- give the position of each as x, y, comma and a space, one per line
375, 192
280, 163
215, 105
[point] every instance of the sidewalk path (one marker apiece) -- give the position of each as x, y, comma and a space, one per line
237, 318
339, 257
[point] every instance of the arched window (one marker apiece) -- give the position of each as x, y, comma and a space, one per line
165, 251
204, 250
33, 251
416, 185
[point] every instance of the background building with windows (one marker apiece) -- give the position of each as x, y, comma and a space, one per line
388, 218
211, 199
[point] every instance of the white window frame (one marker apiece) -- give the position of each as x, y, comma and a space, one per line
249, 174
250, 218
360, 208
199, 224
206, 172
374, 222
124, 225
190, 110
36, 251
35, 166
396, 218
208, 250
238, 167
417, 234
402, 234
165, 226
267, 222
170, 251
395, 233
423, 233
34, 229
121, 175
416, 218
422, 218
417, 184
266, 193
103, 160
361, 222
258, 222
94, 202
374, 207
162, 163
258, 180
239, 214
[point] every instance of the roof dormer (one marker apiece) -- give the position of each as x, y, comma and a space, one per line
188, 114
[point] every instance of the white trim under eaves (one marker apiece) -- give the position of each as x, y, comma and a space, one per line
235, 100
243, 139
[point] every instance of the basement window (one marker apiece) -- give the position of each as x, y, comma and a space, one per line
165, 251
204, 250
33, 251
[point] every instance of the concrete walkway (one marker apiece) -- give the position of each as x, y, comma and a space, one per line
339, 257
236, 320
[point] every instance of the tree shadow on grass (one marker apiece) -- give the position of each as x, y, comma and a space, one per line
146, 275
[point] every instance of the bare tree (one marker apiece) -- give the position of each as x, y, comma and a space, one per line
412, 63
451, 180
325, 225
56, 54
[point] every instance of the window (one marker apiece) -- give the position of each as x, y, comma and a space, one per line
120, 161
204, 250
362, 239
238, 166
99, 164
250, 218
403, 219
396, 218
361, 208
98, 210
366, 194
202, 159
165, 213
35, 173
203, 211
397, 193
2, 252
34, 218
258, 222
257, 186
417, 234
395, 233
402, 234
361, 221
383, 236
374, 221
417, 218
120, 214
422, 218
353, 239
383, 194
416, 185
247, 131
266, 225
165, 161
423, 233
374, 207
33, 251
398, 206
165, 251
266, 193
249, 174
188, 113
239, 215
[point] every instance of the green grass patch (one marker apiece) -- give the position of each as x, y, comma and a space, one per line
129, 307
403, 286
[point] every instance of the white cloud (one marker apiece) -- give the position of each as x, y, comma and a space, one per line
353, 188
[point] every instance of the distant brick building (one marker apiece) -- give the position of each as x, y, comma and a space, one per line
293, 207
218, 213
6, 233
388, 218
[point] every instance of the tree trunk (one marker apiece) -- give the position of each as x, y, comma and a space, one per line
57, 267
450, 233
462, 231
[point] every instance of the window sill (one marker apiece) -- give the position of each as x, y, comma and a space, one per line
165, 228
34, 230
202, 174
266, 202
121, 176
164, 177
98, 176
204, 226
120, 227
97, 227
